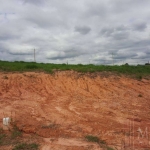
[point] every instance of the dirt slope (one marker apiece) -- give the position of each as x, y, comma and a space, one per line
64, 107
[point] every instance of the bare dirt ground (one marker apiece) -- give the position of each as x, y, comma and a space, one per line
62, 108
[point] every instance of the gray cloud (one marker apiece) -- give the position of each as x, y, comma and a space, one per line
140, 26
117, 33
35, 2
120, 35
82, 29
55, 29
70, 53
107, 31
124, 54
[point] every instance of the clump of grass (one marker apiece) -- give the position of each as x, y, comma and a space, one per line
101, 142
92, 138
2, 136
15, 132
139, 77
109, 148
25, 146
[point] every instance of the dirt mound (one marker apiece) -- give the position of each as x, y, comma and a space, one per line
72, 105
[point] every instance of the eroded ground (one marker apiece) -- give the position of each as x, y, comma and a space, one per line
64, 107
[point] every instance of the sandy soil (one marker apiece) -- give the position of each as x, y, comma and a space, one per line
64, 107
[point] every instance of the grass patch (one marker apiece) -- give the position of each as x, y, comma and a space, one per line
102, 143
139, 71
91, 138
31, 66
25, 146
109, 148
13, 138
2, 136
15, 132
139, 77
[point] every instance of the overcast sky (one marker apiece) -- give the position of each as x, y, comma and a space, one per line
77, 31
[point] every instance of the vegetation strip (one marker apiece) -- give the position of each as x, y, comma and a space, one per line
139, 70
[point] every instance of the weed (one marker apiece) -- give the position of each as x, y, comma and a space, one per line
139, 77
15, 132
2, 136
25, 146
101, 142
109, 148
92, 138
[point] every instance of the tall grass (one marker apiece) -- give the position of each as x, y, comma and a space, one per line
139, 71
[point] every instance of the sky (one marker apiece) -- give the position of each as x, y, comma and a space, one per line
75, 31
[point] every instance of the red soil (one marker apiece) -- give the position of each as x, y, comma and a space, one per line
64, 107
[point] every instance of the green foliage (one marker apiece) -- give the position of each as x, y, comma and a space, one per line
102, 143
25, 146
31, 66
138, 71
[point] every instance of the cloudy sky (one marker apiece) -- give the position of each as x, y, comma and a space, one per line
77, 31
